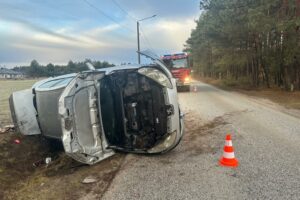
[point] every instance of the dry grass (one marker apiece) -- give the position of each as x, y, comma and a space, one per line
275, 94
287, 99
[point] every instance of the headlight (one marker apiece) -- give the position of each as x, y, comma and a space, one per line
187, 79
165, 144
156, 75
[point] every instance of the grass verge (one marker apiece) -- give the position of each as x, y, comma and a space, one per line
275, 94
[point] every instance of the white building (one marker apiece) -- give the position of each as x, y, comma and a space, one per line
10, 74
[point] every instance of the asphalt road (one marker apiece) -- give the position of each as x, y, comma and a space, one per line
266, 138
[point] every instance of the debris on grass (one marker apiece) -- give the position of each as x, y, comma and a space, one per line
41, 162
89, 179
17, 141
7, 128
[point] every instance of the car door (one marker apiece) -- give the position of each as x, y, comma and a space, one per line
83, 137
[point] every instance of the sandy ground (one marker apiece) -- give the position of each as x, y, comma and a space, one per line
266, 138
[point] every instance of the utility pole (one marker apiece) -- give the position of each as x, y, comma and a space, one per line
138, 35
138, 40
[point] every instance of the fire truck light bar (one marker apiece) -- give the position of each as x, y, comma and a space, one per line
174, 56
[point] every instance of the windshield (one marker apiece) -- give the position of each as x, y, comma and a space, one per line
56, 83
178, 63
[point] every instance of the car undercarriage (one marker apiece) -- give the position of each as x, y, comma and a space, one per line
133, 110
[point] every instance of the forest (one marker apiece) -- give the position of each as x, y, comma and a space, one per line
37, 70
253, 42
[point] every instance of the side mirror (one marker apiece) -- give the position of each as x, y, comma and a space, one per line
90, 66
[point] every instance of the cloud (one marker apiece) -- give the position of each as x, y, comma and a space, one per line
53, 47
169, 36
56, 32
34, 27
98, 43
167, 10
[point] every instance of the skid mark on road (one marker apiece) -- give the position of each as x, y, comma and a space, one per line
238, 112
200, 137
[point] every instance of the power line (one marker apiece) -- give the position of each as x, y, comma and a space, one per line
127, 13
121, 8
146, 39
106, 15
134, 19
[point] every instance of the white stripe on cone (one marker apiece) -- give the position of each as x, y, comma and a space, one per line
228, 143
228, 155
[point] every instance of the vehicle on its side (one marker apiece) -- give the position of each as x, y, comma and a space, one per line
93, 113
180, 68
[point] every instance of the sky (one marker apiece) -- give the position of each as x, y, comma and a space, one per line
58, 31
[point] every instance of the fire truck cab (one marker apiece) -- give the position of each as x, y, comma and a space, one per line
180, 68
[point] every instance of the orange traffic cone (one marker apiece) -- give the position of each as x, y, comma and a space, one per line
228, 158
195, 89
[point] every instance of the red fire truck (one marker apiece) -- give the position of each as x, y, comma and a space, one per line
180, 67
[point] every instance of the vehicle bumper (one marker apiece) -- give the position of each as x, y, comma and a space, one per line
180, 83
